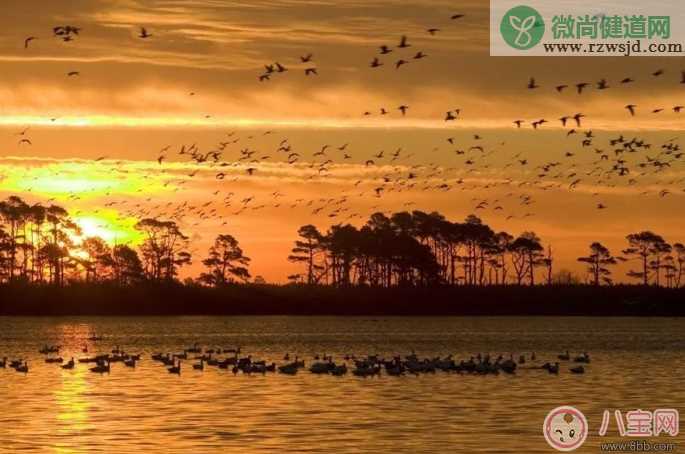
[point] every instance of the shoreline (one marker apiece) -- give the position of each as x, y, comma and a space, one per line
303, 300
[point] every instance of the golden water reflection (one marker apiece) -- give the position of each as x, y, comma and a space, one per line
146, 408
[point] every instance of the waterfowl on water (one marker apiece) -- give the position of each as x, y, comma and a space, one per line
69, 365
175, 369
101, 368
584, 358
577, 370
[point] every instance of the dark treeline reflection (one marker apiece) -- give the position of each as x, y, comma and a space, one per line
43, 245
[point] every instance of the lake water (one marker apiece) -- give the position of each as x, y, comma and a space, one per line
636, 363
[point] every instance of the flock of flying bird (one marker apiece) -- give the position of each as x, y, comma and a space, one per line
476, 164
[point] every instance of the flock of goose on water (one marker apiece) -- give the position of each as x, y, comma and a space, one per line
361, 366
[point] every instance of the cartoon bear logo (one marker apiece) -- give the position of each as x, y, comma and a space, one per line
565, 428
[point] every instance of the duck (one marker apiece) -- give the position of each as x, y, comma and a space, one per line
584, 358
23, 368
339, 370
564, 357
101, 368
553, 369
175, 369
69, 365
131, 362
288, 369
200, 366
577, 370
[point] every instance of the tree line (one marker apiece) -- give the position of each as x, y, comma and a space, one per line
42, 244
419, 249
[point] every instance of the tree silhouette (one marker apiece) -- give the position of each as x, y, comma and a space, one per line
679, 249
127, 269
526, 253
226, 262
163, 249
307, 250
99, 258
599, 260
647, 247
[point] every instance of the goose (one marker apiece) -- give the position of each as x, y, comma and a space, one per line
200, 366
69, 365
564, 357
23, 368
101, 368
584, 358
577, 370
175, 369
131, 362
339, 370
288, 369
320, 368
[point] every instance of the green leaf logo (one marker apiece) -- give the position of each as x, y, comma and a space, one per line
522, 27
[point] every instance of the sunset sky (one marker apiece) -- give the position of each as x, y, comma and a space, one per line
95, 137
